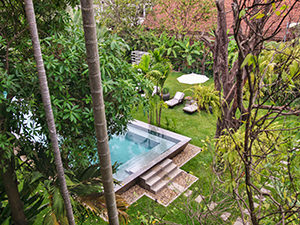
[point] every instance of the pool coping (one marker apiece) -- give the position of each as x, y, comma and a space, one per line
171, 152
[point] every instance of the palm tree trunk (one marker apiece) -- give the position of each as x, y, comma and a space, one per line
89, 26
47, 106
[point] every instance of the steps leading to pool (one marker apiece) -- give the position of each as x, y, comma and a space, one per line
159, 176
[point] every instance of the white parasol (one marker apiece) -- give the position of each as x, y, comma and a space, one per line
192, 78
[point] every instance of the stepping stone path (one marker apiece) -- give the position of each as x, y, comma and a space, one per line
199, 199
265, 190
285, 163
187, 193
225, 216
238, 221
246, 212
261, 197
212, 206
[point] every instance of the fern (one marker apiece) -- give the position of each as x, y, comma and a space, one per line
207, 96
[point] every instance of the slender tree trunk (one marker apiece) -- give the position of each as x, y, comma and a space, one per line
47, 106
220, 66
14, 200
224, 80
90, 34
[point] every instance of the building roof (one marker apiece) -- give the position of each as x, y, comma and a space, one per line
289, 23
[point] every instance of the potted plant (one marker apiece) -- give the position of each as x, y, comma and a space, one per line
166, 94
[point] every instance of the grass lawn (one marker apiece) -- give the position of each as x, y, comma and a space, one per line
197, 126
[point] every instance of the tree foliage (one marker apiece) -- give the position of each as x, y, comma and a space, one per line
257, 132
122, 15
181, 17
22, 124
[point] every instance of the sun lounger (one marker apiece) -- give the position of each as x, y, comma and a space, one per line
178, 98
191, 108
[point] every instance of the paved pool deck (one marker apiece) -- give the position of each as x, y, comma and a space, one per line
174, 189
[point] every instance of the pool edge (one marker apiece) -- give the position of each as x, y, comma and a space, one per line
170, 153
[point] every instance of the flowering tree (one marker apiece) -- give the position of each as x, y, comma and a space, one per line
182, 17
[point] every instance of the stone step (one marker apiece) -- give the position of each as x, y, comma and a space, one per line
155, 169
160, 175
158, 186
162, 183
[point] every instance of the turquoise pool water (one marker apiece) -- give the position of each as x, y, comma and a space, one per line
136, 148
128, 146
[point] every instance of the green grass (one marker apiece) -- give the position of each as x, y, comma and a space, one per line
197, 126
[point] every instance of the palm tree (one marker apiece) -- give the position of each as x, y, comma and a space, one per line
90, 34
47, 106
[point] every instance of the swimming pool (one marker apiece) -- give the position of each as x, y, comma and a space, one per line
141, 148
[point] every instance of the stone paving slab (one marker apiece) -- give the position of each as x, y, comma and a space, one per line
284, 162
176, 187
212, 205
225, 216
260, 197
167, 195
188, 193
239, 221
186, 155
199, 199
164, 197
265, 190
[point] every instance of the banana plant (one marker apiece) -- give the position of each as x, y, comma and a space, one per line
188, 52
155, 68
168, 44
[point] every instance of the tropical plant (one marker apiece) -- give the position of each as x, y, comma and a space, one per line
63, 50
40, 190
188, 50
68, 83
165, 90
141, 39
156, 68
271, 63
232, 51
14, 104
207, 97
